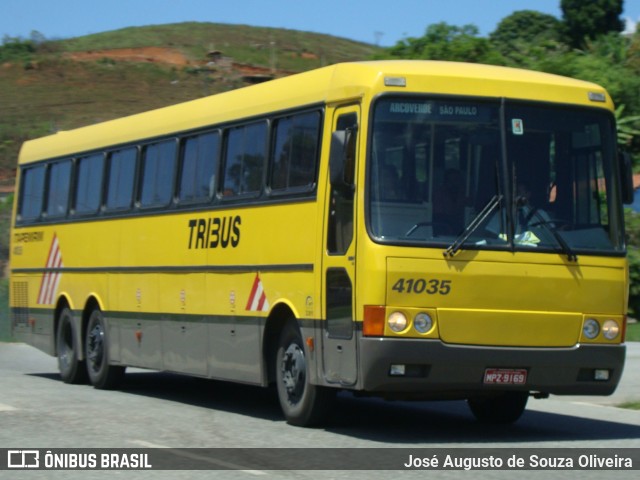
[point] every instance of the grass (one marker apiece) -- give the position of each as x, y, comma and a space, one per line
630, 405
5, 327
246, 44
633, 332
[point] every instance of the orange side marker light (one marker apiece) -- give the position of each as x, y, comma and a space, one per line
311, 344
374, 318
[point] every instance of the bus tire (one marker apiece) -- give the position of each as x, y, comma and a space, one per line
302, 403
102, 375
503, 409
72, 370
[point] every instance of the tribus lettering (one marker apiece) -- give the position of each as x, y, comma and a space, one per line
214, 232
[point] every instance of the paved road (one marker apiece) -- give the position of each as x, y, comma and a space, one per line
162, 410
629, 388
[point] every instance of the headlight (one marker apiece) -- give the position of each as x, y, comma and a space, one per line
422, 323
397, 321
610, 329
590, 328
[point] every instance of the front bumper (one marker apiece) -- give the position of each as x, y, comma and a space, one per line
438, 370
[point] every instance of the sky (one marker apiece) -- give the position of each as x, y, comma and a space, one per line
381, 22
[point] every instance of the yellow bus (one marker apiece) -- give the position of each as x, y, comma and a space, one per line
405, 229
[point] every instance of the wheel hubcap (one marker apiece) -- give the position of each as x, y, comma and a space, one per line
95, 347
294, 372
65, 347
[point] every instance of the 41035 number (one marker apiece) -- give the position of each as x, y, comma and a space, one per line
419, 285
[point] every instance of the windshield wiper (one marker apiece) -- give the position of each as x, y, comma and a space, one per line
473, 226
571, 256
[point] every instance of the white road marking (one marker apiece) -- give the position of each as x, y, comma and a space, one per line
7, 408
146, 444
195, 456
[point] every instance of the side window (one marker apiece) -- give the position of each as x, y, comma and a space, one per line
31, 193
58, 189
199, 167
90, 171
158, 168
340, 226
244, 160
295, 154
122, 170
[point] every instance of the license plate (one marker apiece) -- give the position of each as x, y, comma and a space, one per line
505, 376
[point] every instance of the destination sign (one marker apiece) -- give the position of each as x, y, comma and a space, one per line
435, 111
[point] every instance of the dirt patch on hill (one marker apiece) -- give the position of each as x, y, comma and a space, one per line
168, 56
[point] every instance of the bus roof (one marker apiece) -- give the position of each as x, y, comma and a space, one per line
332, 84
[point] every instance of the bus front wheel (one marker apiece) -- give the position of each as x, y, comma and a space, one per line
302, 403
101, 374
72, 369
504, 408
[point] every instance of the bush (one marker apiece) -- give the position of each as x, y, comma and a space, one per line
5, 223
13, 49
632, 221
5, 326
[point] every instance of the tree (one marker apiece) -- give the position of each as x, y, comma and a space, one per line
627, 127
590, 19
447, 42
633, 55
605, 62
525, 27
527, 38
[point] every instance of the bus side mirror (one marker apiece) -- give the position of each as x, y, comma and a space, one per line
342, 160
626, 178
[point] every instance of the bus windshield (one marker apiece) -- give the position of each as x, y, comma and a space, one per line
493, 175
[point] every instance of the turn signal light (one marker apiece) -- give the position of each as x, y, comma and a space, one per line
373, 323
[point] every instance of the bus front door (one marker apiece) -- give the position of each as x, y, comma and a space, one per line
339, 355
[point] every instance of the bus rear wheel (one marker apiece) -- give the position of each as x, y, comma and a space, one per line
302, 403
72, 370
504, 408
102, 375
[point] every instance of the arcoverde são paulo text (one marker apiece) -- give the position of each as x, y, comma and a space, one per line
591, 461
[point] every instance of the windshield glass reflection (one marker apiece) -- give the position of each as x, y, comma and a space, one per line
435, 164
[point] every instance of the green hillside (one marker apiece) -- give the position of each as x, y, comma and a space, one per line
294, 50
47, 86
